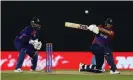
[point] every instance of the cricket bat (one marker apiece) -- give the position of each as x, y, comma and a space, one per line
75, 25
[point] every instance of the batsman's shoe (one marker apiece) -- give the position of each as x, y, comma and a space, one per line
114, 72
81, 67
18, 70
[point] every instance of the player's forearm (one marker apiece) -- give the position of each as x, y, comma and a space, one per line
105, 31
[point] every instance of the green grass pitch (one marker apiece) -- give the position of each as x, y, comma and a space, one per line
65, 75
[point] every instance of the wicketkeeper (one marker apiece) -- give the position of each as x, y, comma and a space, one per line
100, 48
26, 42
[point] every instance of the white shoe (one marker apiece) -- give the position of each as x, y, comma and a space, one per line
80, 66
115, 72
18, 70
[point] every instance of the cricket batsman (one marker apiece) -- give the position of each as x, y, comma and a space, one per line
100, 48
26, 42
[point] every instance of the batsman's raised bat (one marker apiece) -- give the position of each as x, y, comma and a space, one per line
75, 25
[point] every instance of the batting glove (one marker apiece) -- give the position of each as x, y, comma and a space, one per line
91, 27
95, 30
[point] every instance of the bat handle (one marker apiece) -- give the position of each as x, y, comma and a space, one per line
84, 27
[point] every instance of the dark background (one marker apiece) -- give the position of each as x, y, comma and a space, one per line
16, 15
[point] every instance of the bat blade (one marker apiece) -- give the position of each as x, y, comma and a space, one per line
75, 25
72, 25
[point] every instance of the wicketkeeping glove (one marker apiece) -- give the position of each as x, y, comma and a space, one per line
33, 41
37, 45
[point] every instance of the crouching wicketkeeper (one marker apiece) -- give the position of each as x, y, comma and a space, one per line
27, 43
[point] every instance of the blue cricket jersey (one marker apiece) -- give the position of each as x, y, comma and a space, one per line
22, 39
102, 38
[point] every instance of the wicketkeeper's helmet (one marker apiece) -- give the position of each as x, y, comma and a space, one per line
34, 21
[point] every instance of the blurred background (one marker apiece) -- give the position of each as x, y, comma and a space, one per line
15, 16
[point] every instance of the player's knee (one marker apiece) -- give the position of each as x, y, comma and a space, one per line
23, 50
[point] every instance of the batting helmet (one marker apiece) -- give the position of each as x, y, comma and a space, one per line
108, 21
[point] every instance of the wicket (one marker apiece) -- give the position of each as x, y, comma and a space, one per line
49, 49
